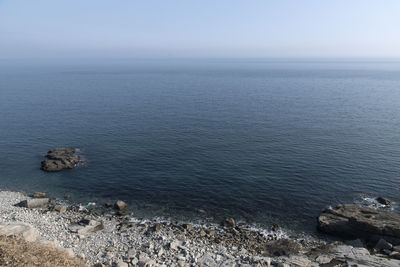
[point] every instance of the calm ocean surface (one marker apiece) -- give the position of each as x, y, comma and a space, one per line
260, 141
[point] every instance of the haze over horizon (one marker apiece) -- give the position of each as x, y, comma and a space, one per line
165, 29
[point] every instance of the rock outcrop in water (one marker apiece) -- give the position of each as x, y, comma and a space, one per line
59, 159
351, 221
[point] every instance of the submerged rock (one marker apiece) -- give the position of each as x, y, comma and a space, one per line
59, 159
351, 221
383, 201
123, 213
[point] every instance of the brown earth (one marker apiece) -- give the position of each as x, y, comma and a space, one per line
17, 252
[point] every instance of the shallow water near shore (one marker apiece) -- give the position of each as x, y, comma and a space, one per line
261, 141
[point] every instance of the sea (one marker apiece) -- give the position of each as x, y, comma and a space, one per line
263, 141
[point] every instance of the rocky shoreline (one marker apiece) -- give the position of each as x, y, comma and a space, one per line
111, 240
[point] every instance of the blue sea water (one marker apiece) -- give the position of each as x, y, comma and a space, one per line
262, 141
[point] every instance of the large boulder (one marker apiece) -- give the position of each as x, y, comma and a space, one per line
34, 203
20, 230
350, 221
59, 159
120, 205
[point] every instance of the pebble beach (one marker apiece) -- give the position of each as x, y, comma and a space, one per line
104, 239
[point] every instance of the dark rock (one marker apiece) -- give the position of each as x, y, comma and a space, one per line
39, 195
67, 197
188, 227
59, 159
351, 221
156, 228
275, 227
125, 225
34, 203
395, 255
282, 247
383, 201
108, 205
200, 211
229, 222
383, 245
120, 205
387, 252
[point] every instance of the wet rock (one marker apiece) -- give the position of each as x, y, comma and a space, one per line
229, 222
39, 195
382, 245
59, 159
351, 221
124, 212
120, 205
20, 230
34, 203
275, 227
67, 197
108, 205
383, 201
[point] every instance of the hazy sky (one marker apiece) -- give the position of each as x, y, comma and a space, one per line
202, 28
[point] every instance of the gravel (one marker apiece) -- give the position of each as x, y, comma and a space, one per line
118, 241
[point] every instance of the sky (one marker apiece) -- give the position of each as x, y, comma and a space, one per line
203, 28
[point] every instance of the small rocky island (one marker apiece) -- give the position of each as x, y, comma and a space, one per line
60, 159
